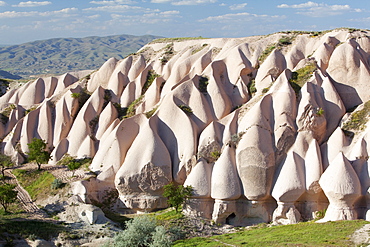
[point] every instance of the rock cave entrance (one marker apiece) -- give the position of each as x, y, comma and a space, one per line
230, 219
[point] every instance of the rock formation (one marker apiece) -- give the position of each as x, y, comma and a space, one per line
264, 128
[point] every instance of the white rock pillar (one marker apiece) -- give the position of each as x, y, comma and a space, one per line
201, 203
342, 187
288, 187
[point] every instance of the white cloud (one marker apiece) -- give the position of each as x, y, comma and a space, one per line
119, 8
193, 2
113, 2
160, 1
32, 4
313, 9
60, 13
238, 6
245, 16
184, 2
2, 3
148, 18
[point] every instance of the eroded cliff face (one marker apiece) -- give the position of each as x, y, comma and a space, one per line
263, 128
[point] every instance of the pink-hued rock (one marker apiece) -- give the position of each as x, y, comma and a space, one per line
182, 152
270, 70
351, 72
287, 191
145, 171
34, 94
226, 183
101, 77
337, 143
342, 187
200, 179
136, 68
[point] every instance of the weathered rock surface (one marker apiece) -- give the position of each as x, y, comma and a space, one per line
259, 139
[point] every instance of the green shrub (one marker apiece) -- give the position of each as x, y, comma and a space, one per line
177, 194
150, 113
75, 95
160, 238
74, 165
301, 76
57, 184
131, 109
149, 80
7, 195
203, 83
265, 90
37, 152
122, 111
252, 86
139, 232
186, 109
215, 154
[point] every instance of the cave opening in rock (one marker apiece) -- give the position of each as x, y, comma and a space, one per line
230, 219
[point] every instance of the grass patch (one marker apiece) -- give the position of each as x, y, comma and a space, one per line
186, 109
301, 76
150, 113
302, 234
358, 119
165, 40
36, 182
131, 109
26, 228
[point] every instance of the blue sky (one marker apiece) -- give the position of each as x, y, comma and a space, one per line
35, 20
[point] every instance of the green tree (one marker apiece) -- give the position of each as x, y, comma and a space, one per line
177, 194
5, 163
73, 166
37, 152
7, 195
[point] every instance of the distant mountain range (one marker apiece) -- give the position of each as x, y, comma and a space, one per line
60, 55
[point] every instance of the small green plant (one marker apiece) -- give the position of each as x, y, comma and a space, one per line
93, 124
37, 152
149, 80
73, 166
235, 139
265, 90
203, 83
215, 154
7, 195
320, 112
75, 95
177, 194
57, 184
320, 214
186, 109
29, 110
266, 53
150, 113
252, 86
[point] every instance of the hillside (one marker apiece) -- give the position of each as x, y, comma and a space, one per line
60, 55
265, 128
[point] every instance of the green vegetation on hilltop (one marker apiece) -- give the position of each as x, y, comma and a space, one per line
179, 39
302, 234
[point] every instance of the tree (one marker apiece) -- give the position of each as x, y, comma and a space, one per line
177, 194
5, 163
74, 165
37, 152
7, 195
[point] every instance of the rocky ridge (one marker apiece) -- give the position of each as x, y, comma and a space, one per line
265, 128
